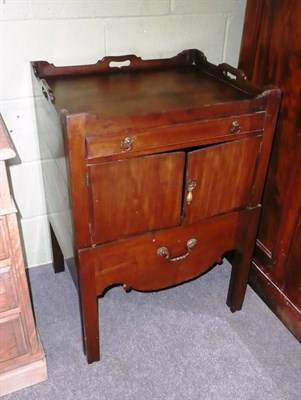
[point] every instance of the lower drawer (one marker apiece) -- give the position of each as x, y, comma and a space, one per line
162, 259
8, 292
13, 343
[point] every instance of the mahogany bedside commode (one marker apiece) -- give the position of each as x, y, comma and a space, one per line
166, 165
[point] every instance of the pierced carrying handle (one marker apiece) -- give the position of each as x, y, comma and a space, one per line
47, 91
117, 62
237, 73
163, 251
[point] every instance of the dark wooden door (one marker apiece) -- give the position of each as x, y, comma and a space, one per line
135, 195
223, 177
271, 54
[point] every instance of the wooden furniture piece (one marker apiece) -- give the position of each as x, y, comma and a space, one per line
22, 359
270, 54
167, 160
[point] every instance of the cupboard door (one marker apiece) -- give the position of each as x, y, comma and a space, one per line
135, 195
220, 178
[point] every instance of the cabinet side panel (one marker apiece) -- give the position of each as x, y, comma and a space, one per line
53, 162
277, 61
292, 268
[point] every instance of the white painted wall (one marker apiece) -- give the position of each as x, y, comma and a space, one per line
84, 31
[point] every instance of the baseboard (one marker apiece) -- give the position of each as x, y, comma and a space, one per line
22, 377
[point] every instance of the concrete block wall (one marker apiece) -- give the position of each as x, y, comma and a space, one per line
84, 31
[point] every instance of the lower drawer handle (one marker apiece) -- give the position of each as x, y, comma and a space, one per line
163, 251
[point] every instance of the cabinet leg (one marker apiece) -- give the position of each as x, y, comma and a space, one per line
89, 311
242, 260
238, 281
58, 258
90, 330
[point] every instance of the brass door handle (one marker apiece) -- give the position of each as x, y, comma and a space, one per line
190, 187
164, 252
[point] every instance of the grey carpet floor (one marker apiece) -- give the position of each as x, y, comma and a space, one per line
181, 343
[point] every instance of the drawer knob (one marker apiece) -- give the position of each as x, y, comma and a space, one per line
164, 252
235, 127
127, 143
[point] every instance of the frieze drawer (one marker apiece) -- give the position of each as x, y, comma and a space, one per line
182, 135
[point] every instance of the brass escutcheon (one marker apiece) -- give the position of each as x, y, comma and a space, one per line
235, 127
127, 143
